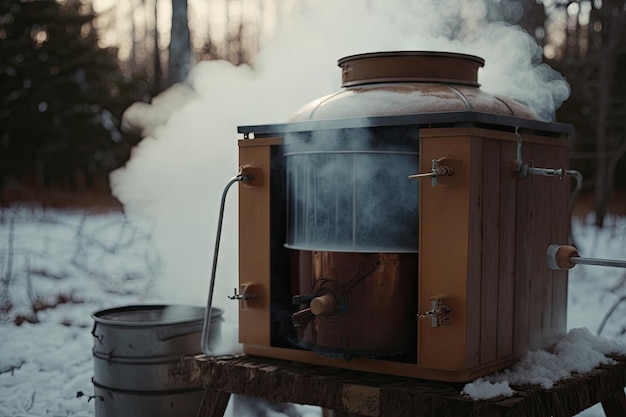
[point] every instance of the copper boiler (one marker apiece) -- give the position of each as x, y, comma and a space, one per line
393, 226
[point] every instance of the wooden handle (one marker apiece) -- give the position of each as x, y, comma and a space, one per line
559, 257
563, 255
324, 304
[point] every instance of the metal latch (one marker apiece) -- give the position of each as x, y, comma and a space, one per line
244, 295
523, 170
442, 167
438, 312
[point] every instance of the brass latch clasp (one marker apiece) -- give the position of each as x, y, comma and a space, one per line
438, 312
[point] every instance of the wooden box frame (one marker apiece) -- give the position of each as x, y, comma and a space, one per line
482, 243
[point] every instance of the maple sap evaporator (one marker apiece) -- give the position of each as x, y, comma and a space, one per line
395, 227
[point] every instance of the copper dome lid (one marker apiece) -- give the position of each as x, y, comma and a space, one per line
409, 82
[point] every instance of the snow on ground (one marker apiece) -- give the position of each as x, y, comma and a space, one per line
67, 265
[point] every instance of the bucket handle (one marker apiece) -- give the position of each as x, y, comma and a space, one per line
93, 332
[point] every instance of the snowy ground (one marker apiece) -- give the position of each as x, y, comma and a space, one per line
57, 267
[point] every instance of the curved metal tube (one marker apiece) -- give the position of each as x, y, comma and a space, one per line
579, 184
204, 343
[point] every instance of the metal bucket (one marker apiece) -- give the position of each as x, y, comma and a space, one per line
137, 351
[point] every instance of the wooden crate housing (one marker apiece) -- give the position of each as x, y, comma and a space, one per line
483, 235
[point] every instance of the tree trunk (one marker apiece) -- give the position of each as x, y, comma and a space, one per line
612, 27
133, 36
604, 93
158, 70
180, 48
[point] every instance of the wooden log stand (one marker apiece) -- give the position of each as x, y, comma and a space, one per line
351, 393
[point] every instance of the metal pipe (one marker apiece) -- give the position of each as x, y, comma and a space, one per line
547, 172
523, 170
579, 184
597, 261
561, 257
204, 342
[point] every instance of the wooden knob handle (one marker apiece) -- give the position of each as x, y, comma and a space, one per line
324, 304
560, 256
563, 255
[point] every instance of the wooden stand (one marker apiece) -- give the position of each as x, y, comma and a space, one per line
352, 393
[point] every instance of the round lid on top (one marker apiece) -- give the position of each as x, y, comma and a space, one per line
410, 66
409, 82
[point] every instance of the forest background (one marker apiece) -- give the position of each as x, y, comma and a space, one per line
69, 69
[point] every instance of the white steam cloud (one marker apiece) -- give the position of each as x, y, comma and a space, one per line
177, 174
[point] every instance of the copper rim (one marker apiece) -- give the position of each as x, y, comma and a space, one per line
410, 66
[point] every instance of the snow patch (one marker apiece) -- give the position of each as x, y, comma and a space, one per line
577, 353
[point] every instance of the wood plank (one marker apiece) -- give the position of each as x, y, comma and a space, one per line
522, 270
490, 250
561, 235
506, 270
285, 381
556, 231
615, 404
561, 141
254, 240
213, 404
443, 263
474, 254
541, 276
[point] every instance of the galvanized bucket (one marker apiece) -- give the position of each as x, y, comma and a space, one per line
137, 352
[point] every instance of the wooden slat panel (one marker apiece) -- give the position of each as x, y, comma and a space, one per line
535, 235
523, 228
550, 220
561, 227
443, 260
490, 248
547, 187
254, 242
550, 191
506, 270
615, 404
474, 254
213, 404
485, 133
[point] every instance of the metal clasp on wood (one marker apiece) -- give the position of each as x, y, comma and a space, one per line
244, 295
441, 167
438, 312
523, 170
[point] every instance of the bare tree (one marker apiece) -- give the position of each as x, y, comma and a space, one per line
591, 55
180, 43
158, 70
613, 21
133, 45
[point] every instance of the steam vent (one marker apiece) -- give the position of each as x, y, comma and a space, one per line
395, 226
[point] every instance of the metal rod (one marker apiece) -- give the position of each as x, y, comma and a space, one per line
579, 184
204, 342
596, 261
547, 172
561, 257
